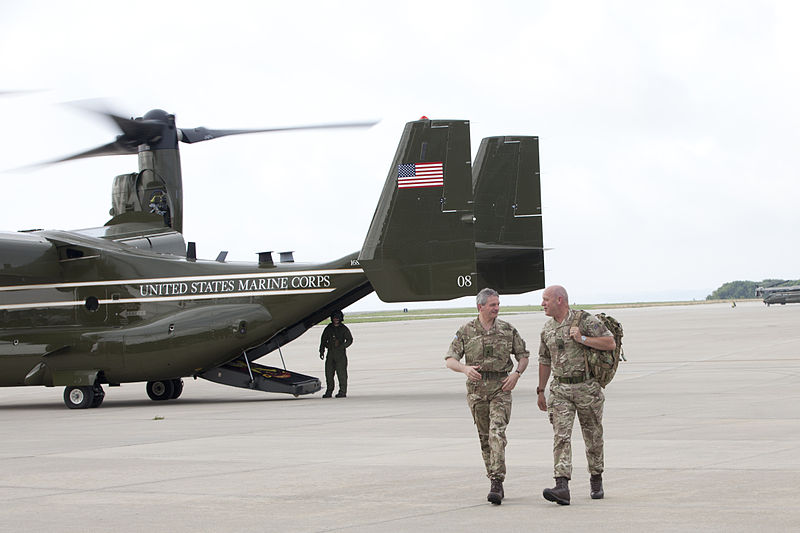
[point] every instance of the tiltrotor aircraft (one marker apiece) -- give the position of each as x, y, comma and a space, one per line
779, 295
130, 301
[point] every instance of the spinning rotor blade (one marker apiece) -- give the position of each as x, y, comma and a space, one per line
204, 134
18, 93
118, 147
141, 131
134, 133
158, 126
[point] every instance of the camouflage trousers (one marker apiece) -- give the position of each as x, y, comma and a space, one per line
587, 400
491, 411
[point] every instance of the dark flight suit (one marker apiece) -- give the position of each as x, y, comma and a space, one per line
336, 339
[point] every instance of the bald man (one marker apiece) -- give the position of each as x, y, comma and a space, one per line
565, 343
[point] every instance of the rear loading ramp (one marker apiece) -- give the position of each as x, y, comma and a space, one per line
263, 378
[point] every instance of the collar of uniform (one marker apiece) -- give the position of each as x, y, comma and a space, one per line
567, 320
480, 328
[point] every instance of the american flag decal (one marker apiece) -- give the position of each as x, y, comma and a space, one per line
414, 175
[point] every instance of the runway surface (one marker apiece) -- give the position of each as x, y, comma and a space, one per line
702, 432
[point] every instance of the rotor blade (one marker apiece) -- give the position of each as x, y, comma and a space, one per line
134, 133
18, 93
141, 131
114, 148
118, 147
194, 135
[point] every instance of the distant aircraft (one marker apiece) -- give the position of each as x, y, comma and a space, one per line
779, 295
130, 301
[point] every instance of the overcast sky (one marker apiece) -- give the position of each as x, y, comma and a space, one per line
668, 130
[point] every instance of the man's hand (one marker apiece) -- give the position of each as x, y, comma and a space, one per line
541, 401
472, 372
322, 354
510, 382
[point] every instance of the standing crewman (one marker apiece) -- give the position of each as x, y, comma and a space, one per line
487, 343
336, 338
565, 342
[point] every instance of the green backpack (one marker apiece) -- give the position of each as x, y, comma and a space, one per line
603, 365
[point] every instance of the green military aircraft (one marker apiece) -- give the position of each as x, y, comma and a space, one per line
130, 301
779, 295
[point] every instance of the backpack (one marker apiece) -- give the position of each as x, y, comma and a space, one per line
603, 365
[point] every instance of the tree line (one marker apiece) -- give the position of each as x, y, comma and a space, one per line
746, 289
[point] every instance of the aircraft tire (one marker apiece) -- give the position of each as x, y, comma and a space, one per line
160, 390
79, 397
177, 385
99, 396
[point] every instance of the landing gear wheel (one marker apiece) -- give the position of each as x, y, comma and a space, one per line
160, 390
99, 396
79, 397
177, 389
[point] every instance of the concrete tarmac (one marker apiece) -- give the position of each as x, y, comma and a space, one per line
702, 433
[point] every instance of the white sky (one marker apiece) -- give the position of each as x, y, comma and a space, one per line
667, 129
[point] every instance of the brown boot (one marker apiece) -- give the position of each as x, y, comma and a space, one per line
559, 493
596, 484
496, 493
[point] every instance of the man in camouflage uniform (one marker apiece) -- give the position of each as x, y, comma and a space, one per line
336, 338
565, 340
487, 343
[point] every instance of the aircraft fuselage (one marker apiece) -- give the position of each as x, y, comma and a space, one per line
83, 304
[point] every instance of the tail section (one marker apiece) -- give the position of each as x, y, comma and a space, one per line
508, 215
420, 243
442, 230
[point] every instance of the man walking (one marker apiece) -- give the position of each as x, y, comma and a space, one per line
487, 343
565, 341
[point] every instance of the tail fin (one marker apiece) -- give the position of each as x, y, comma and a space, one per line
508, 215
427, 240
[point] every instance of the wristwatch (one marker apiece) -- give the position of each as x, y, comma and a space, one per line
539, 391
583, 339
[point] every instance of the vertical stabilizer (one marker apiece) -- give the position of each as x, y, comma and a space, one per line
508, 214
420, 244
443, 229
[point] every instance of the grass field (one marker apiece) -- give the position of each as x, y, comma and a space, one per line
424, 314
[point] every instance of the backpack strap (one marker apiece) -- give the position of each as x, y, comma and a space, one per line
578, 316
575, 323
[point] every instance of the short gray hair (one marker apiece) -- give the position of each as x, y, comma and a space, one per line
484, 296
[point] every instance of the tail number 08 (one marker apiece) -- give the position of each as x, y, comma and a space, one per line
464, 281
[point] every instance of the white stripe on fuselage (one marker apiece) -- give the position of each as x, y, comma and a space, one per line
186, 289
181, 279
34, 305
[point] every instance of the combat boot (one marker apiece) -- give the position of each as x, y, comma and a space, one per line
496, 493
559, 493
327, 394
341, 394
596, 484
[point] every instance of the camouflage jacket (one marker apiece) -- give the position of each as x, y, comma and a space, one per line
491, 350
557, 349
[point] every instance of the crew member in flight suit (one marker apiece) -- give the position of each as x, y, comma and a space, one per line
336, 338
